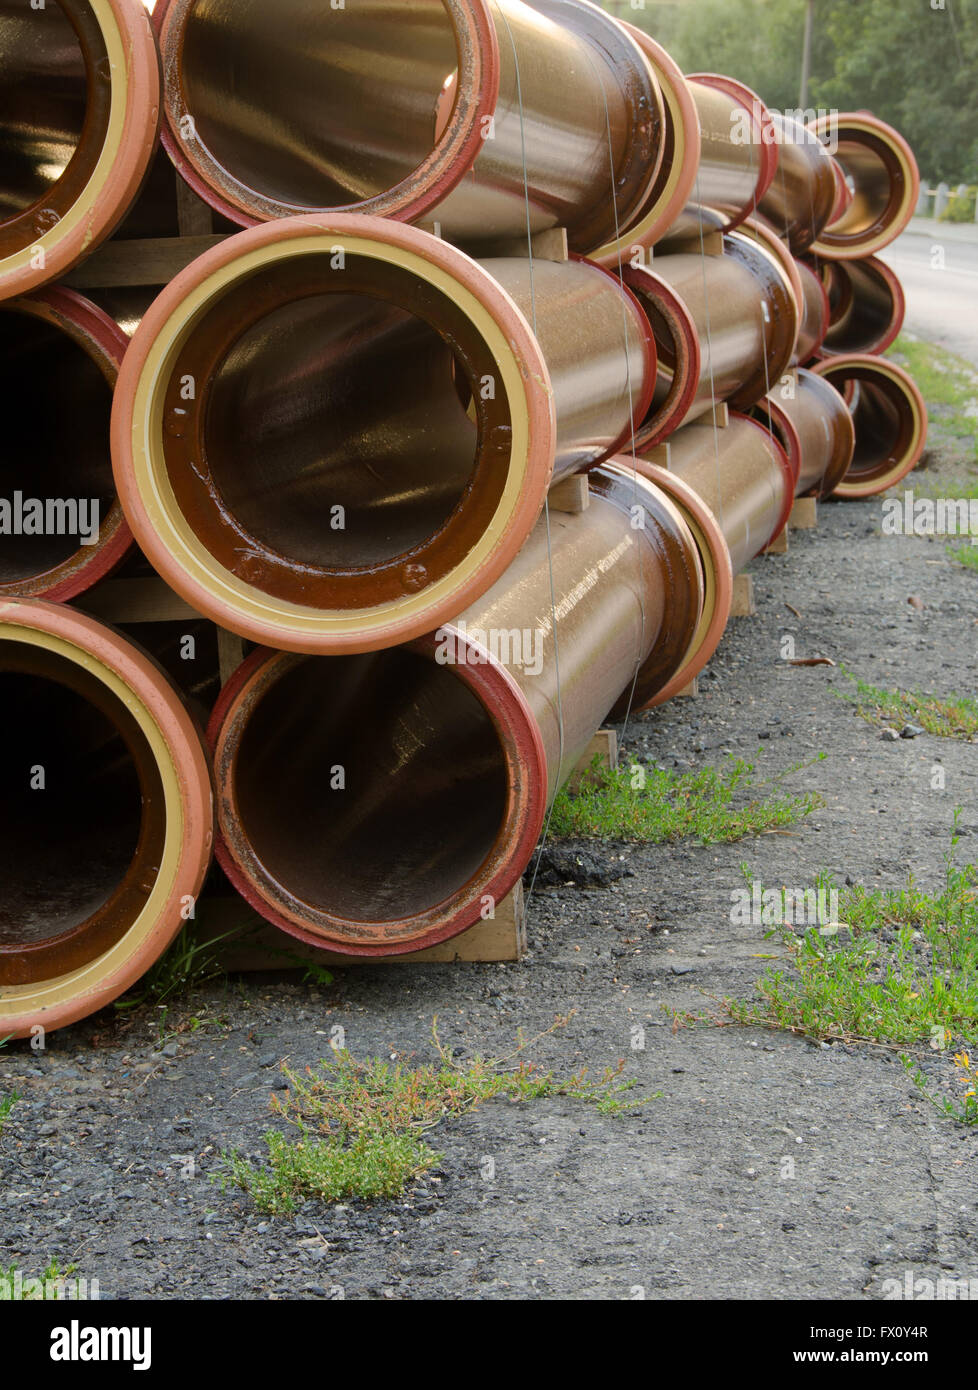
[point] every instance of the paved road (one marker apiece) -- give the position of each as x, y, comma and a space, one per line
940, 279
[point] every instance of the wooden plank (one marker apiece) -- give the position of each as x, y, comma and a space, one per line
570, 494
719, 413
153, 261
550, 245
135, 601
253, 944
742, 605
779, 546
194, 216
712, 244
689, 691
230, 653
804, 514
661, 454
604, 746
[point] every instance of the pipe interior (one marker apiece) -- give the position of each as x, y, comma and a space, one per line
45, 101
313, 106
871, 171
868, 312
425, 791
883, 422
335, 431
55, 403
65, 848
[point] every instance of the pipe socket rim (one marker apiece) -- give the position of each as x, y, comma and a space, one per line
180, 759
164, 532
62, 227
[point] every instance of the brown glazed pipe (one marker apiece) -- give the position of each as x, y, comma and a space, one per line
480, 115
107, 815
379, 803
866, 305
803, 194
738, 159
332, 434
674, 182
889, 417
59, 359
813, 424
744, 476
815, 315
725, 329
79, 123
885, 185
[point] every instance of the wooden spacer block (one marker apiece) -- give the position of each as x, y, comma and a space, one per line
660, 455
570, 494
244, 941
689, 691
713, 244
194, 216
550, 245
230, 653
135, 601
153, 261
779, 546
804, 514
604, 746
742, 605
719, 413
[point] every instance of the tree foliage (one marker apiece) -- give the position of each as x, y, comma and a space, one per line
914, 63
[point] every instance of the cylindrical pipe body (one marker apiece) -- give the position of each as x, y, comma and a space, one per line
815, 315
743, 475
333, 434
439, 757
889, 418
674, 181
738, 158
107, 815
814, 426
61, 523
803, 193
78, 129
741, 312
453, 112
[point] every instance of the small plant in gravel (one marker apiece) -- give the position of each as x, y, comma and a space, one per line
360, 1125
901, 968
966, 555
656, 804
7, 1104
954, 717
964, 1107
52, 1284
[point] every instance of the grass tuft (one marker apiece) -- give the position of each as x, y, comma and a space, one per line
655, 805
360, 1125
954, 717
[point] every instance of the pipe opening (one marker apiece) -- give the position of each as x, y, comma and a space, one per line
424, 783
883, 418
352, 439
866, 304
56, 403
874, 173
315, 107
81, 830
55, 112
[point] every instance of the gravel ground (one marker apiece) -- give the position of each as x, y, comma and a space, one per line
767, 1167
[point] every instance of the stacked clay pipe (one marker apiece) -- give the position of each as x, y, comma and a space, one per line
511, 347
